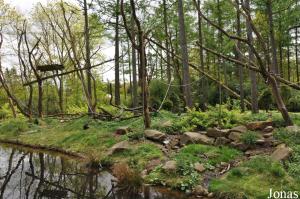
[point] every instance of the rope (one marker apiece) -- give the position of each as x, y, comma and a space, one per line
169, 85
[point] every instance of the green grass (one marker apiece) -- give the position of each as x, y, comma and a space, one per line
249, 137
292, 139
186, 177
139, 156
208, 155
253, 179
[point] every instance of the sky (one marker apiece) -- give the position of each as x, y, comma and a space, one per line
25, 7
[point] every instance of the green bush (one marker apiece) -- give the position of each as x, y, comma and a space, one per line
249, 138
294, 103
5, 111
168, 105
214, 116
265, 100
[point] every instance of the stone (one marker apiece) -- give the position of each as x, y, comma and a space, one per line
258, 125
281, 153
235, 136
169, 166
268, 135
155, 135
268, 129
239, 129
222, 141
152, 164
261, 141
215, 132
122, 130
144, 173
119, 147
239, 145
199, 167
200, 190
281, 146
166, 124
196, 138
293, 129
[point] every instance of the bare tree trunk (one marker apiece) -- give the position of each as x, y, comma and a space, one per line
40, 98
296, 54
201, 56
254, 92
185, 59
167, 40
141, 47
289, 62
13, 110
238, 56
274, 66
88, 59
61, 95
279, 101
117, 61
134, 73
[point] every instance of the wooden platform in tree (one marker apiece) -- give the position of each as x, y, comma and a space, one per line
50, 67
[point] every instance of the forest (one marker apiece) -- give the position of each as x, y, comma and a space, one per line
150, 99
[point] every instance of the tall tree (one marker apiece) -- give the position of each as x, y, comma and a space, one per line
117, 54
274, 65
238, 56
88, 55
165, 17
185, 59
254, 92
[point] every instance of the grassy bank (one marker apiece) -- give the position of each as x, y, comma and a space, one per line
254, 178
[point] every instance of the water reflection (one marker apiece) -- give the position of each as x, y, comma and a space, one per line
40, 175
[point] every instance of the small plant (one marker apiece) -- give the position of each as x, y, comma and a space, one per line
277, 170
249, 138
136, 135
127, 177
236, 172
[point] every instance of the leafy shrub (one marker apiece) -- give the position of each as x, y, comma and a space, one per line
168, 105
214, 116
249, 138
265, 100
277, 170
5, 111
294, 103
237, 172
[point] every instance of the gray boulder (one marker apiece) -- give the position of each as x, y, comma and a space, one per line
215, 132
155, 135
196, 138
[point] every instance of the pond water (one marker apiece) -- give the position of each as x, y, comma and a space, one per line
31, 174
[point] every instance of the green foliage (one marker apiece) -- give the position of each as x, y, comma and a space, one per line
5, 111
265, 100
135, 135
14, 127
292, 139
253, 179
214, 116
249, 138
294, 103
196, 153
139, 156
